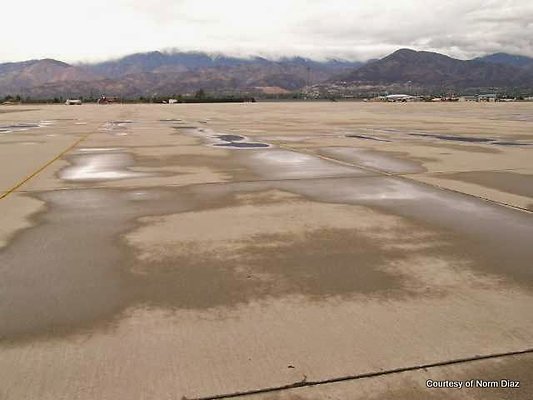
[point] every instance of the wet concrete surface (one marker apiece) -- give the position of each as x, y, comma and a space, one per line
170, 120
287, 164
77, 286
501, 143
392, 135
65, 286
22, 126
367, 138
243, 145
348, 266
85, 276
99, 165
381, 161
231, 138
15, 127
238, 142
458, 138
6, 110
469, 218
185, 127
510, 182
329, 266
471, 139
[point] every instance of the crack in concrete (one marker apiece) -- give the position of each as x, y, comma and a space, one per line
366, 375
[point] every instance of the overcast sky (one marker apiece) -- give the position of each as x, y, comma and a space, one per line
94, 30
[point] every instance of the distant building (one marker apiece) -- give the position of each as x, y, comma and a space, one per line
73, 102
487, 97
468, 98
400, 97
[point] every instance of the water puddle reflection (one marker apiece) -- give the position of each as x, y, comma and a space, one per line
103, 165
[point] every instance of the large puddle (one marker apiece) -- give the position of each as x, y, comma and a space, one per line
469, 139
70, 270
500, 238
472, 139
243, 145
88, 275
73, 269
228, 141
390, 135
231, 138
185, 127
286, 164
117, 128
23, 126
99, 164
237, 142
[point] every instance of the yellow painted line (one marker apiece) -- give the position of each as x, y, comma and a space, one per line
35, 173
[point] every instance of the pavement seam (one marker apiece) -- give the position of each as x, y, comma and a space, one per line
306, 383
42, 168
461, 171
171, 185
411, 180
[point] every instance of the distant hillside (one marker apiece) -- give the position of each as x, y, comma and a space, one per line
161, 74
433, 70
22, 76
157, 73
508, 59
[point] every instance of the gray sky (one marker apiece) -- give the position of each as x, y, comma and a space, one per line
95, 30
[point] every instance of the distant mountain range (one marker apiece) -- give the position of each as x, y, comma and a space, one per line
509, 59
18, 77
157, 73
165, 74
427, 70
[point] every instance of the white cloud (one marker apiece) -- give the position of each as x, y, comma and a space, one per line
100, 29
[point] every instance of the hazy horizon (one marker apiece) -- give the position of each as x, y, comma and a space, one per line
97, 31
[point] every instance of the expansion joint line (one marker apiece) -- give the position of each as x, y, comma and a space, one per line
406, 177
367, 375
41, 169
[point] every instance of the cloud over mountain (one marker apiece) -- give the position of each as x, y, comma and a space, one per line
356, 30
